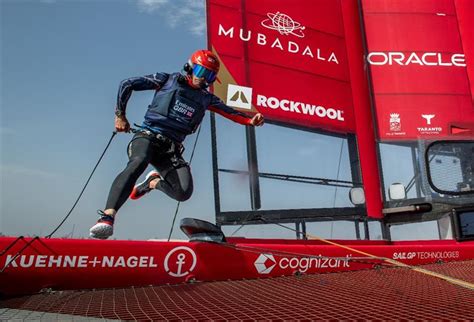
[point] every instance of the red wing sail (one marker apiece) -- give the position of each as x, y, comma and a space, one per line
284, 59
418, 55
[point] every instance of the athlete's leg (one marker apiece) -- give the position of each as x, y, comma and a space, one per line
176, 179
139, 152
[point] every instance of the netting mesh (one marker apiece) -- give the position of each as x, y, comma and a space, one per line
385, 294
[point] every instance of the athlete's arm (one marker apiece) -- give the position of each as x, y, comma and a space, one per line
127, 86
218, 106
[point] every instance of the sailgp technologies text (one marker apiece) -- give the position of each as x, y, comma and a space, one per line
66, 261
299, 107
426, 255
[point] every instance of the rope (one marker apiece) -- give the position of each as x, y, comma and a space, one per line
179, 202
391, 261
259, 250
19, 252
84, 188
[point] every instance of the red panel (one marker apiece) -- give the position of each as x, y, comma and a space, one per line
304, 63
233, 18
465, 14
419, 66
420, 79
418, 6
412, 32
311, 90
321, 15
412, 108
292, 53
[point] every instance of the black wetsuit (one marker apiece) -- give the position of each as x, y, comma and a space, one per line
176, 111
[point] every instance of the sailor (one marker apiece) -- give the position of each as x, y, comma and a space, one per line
177, 110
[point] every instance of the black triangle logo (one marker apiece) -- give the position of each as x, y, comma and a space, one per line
239, 95
235, 97
243, 98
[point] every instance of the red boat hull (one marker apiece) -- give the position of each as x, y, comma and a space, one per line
65, 264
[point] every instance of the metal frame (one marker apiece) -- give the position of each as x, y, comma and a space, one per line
298, 216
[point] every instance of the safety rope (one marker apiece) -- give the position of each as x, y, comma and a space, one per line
11, 245
28, 244
446, 278
84, 188
179, 202
260, 250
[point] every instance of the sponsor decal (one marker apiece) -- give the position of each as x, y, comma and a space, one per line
438, 255
266, 262
184, 109
425, 59
395, 125
395, 122
284, 24
276, 43
300, 108
426, 255
428, 117
404, 255
239, 96
76, 261
209, 59
180, 261
429, 129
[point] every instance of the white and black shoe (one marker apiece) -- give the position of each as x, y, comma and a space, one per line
104, 228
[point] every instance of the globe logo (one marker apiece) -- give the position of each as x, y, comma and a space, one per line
283, 24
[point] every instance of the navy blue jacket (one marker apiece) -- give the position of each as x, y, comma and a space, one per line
177, 109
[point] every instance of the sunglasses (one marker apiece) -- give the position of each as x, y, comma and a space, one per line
202, 72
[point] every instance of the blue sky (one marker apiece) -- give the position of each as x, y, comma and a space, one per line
61, 63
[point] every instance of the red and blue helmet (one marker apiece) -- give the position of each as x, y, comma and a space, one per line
205, 65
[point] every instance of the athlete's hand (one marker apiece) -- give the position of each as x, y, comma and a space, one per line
257, 120
121, 124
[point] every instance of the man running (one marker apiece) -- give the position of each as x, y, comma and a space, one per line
176, 111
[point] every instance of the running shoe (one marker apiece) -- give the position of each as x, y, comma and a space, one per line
143, 187
104, 228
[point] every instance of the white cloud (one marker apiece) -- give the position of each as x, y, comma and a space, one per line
19, 170
189, 14
150, 6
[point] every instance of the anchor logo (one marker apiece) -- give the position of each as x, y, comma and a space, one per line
180, 261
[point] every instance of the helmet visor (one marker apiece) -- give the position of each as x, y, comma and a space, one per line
202, 72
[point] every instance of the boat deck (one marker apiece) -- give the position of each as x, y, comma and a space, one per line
384, 293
